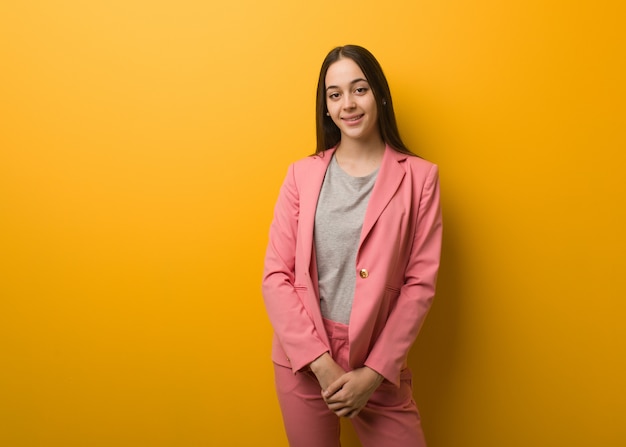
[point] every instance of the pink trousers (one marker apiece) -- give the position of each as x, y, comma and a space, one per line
390, 418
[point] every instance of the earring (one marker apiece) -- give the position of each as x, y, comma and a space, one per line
327, 114
384, 102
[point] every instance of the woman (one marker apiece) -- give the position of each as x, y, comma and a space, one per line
351, 266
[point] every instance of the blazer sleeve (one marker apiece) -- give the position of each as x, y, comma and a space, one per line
292, 323
390, 351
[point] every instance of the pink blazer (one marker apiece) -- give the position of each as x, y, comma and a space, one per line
396, 265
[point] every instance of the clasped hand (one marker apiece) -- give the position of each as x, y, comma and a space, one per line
345, 393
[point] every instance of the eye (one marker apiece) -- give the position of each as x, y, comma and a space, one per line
334, 95
361, 90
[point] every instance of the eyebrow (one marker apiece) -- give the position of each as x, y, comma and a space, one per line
351, 83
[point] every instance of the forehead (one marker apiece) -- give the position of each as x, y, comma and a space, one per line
343, 72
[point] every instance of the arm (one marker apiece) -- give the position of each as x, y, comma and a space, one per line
290, 320
389, 353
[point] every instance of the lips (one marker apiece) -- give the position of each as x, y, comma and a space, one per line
352, 119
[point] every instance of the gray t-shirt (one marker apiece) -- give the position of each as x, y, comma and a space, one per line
338, 220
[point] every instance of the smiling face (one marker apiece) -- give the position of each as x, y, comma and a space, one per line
351, 103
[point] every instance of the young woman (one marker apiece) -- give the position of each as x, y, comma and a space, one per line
351, 266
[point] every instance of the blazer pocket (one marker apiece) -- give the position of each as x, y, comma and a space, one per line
301, 290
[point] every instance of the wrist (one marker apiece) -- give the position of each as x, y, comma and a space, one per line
378, 378
318, 364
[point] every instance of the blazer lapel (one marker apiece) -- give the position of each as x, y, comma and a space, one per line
389, 178
309, 194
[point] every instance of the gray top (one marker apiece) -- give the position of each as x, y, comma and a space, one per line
338, 220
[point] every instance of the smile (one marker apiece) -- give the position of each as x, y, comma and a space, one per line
353, 118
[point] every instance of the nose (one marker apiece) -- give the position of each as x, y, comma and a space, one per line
348, 102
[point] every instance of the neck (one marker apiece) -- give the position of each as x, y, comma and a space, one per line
359, 159
361, 150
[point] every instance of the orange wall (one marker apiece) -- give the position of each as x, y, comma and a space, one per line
142, 145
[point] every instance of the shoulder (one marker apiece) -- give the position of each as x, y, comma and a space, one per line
423, 174
313, 160
410, 162
313, 163
308, 173
416, 163
418, 166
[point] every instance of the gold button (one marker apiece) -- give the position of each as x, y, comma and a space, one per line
363, 273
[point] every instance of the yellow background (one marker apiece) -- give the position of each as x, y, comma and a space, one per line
142, 144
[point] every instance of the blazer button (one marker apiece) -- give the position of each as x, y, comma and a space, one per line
363, 273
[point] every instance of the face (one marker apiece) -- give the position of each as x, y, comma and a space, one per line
350, 101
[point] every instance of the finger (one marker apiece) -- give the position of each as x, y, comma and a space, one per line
338, 403
335, 386
354, 413
336, 399
344, 412
340, 409
348, 412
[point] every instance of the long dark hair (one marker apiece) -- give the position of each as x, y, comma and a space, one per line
328, 134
